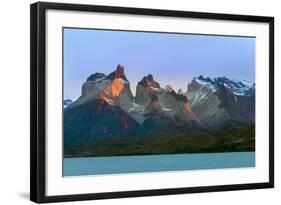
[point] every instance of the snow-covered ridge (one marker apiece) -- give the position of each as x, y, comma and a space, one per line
237, 87
206, 82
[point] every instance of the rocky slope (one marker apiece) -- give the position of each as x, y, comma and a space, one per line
220, 99
95, 119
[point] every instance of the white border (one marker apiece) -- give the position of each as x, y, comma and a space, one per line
58, 185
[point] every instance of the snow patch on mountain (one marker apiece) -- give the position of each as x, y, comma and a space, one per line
206, 84
66, 103
239, 88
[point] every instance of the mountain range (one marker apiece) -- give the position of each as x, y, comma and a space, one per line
107, 107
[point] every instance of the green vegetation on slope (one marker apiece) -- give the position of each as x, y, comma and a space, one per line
169, 140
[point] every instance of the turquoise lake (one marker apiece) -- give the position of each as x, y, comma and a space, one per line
156, 163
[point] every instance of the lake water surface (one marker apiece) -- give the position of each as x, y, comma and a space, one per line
156, 163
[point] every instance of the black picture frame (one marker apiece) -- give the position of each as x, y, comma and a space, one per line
38, 101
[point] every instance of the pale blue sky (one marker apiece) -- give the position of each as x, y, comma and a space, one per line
172, 59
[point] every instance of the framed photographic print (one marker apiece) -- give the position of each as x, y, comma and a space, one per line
129, 102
